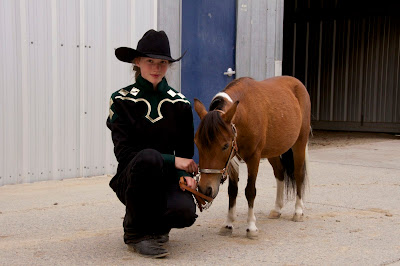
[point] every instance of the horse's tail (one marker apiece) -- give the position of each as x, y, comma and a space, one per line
289, 179
288, 166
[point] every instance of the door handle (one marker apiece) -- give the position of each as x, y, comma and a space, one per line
230, 72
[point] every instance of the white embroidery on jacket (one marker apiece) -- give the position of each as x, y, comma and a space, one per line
160, 116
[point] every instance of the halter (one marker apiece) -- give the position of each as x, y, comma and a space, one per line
223, 171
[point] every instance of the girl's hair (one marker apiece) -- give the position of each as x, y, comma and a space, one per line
136, 69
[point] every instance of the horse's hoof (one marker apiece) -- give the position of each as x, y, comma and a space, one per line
226, 231
274, 215
298, 217
252, 234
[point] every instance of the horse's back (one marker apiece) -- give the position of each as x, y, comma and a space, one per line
287, 82
279, 107
283, 92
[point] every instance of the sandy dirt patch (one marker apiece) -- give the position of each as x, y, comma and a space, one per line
325, 139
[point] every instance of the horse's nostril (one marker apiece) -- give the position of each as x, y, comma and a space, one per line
209, 192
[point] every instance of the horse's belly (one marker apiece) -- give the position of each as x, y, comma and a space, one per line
276, 149
282, 132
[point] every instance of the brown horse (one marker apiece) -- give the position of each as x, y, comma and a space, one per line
272, 121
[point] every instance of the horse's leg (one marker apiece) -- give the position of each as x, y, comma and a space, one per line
250, 191
227, 229
299, 156
279, 176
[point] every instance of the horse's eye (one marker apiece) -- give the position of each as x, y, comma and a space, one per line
226, 146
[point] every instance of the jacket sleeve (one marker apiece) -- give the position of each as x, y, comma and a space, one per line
120, 130
185, 143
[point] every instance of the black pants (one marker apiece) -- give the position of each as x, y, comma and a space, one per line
154, 202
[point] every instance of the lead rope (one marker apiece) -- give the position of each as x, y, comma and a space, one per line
200, 198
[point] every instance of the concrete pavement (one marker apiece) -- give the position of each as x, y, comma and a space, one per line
352, 217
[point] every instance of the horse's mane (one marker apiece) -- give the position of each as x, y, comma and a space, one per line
217, 103
210, 127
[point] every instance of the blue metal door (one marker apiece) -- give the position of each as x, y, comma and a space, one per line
208, 36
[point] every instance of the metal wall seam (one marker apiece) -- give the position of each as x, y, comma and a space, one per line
270, 26
3, 94
55, 88
360, 113
279, 37
396, 109
155, 14
132, 30
332, 89
2, 99
24, 93
109, 50
82, 126
347, 69
319, 72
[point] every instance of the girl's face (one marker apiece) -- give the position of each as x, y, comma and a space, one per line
152, 69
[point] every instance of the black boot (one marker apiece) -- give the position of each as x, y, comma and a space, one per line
149, 248
164, 238
161, 235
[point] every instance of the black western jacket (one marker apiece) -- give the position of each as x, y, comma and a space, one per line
141, 118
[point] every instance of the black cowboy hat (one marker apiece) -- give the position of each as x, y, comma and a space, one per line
154, 44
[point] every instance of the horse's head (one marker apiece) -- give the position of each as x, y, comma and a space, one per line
214, 140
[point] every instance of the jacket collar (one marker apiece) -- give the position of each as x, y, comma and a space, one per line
148, 86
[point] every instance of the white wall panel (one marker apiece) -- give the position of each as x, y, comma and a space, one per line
39, 92
58, 71
169, 20
259, 38
66, 92
10, 94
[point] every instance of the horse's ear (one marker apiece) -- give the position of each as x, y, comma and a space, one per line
199, 107
227, 117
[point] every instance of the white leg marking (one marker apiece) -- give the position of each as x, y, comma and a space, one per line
252, 231
299, 206
227, 228
251, 221
276, 212
298, 213
230, 218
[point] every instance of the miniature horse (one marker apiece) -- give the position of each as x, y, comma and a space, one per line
251, 120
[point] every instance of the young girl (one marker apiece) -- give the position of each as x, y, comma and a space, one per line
152, 130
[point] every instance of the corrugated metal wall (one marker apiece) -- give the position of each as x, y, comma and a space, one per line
259, 38
347, 53
57, 73
169, 20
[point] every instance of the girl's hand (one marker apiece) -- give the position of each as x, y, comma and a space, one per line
185, 164
190, 182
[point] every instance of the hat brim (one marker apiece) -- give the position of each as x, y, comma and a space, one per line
126, 54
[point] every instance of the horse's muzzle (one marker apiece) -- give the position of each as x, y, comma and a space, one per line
210, 190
